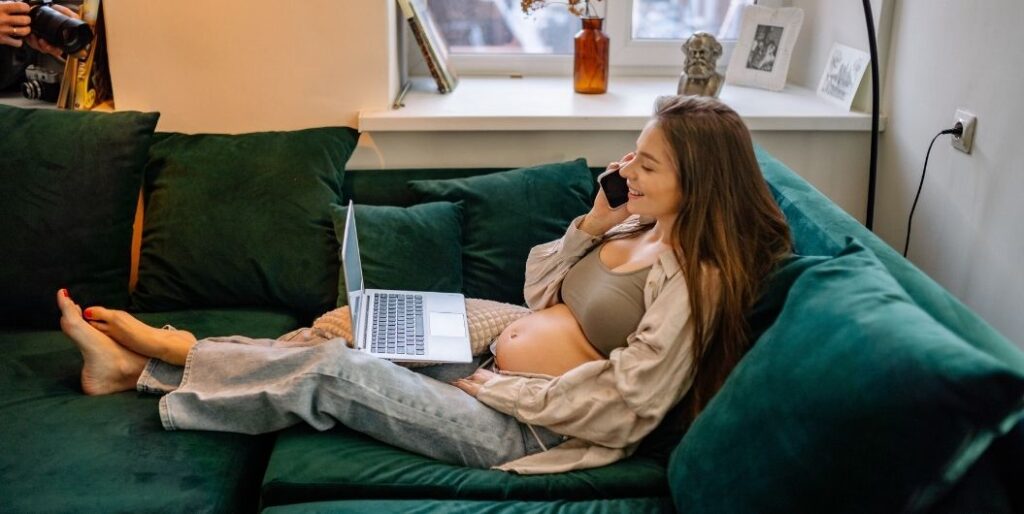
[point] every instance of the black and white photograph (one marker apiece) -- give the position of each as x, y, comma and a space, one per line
843, 74
764, 47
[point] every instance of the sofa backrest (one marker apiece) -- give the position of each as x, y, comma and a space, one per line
389, 187
821, 228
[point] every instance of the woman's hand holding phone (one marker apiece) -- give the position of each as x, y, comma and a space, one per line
602, 216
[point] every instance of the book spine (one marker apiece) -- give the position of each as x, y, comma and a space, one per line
416, 26
428, 55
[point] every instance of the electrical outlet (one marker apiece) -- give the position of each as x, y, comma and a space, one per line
966, 140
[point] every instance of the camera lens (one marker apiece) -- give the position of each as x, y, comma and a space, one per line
36, 90
68, 34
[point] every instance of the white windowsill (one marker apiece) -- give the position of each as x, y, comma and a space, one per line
549, 103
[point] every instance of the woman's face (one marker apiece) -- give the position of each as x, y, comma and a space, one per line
653, 179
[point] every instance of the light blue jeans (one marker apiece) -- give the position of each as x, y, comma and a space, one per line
252, 386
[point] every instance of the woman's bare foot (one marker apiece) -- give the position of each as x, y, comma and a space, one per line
109, 367
170, 346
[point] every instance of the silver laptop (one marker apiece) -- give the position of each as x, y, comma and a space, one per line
402, 326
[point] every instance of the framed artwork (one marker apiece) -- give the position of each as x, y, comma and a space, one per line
765, 46
431, 43
843, 74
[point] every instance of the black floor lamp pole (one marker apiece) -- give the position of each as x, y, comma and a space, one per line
873, 170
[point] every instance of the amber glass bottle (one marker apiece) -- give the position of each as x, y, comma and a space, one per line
590, 63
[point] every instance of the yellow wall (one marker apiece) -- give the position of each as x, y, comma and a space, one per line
235, 66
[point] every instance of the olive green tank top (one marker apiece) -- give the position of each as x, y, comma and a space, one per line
607, 305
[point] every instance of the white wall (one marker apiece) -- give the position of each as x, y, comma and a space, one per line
968, 231
229, 66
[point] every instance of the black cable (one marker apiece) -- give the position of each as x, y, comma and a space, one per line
957, 130
873, 168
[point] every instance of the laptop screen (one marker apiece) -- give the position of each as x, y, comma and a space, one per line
352, 267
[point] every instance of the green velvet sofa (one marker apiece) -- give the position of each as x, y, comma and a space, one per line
62, 451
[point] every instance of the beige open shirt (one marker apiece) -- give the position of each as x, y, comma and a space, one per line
605, 406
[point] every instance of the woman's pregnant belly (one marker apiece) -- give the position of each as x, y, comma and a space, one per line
548, 341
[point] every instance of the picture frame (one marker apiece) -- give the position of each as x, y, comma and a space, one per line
432, 44
842, 76
764, 48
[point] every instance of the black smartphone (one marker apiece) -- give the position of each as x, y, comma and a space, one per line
614, 187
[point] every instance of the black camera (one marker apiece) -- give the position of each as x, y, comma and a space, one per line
69, 34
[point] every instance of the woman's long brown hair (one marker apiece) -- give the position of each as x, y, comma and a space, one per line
728, 223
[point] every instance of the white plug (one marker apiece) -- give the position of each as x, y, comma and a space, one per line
966, 139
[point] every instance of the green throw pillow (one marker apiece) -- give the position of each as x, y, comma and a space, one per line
243, 221
417, 248
855, 400
508, 213
69, 186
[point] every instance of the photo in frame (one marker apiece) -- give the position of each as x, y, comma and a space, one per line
843, 74
765, 46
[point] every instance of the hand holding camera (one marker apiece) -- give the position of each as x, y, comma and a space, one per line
14, 23
45, 26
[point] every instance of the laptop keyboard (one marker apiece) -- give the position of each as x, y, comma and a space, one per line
397, 324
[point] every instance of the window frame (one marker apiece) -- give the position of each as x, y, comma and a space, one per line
629, 57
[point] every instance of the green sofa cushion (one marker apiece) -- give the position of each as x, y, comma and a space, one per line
417, 248
854, 401
616, 506
307, 465
67, 452
69, 186
507, 214
243, 220
202, 323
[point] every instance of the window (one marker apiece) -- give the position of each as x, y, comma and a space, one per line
495, 37
499, 27
677, 19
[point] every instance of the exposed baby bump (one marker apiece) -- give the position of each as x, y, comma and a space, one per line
549, 341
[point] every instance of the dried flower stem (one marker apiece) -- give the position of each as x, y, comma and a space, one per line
581, 8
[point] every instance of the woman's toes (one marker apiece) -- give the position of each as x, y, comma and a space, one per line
66, 305
99, 325
100, 314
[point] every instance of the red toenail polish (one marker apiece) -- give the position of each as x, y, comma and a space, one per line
87, 314
65, 293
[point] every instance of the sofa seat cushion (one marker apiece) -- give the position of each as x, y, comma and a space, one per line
307, 465
69, 187
855, 400
616, 506
67, 452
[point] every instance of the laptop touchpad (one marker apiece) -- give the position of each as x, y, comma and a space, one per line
447, 324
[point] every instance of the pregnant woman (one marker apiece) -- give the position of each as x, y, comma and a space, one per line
634, 310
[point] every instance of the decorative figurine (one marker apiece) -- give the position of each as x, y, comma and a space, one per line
699, 76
